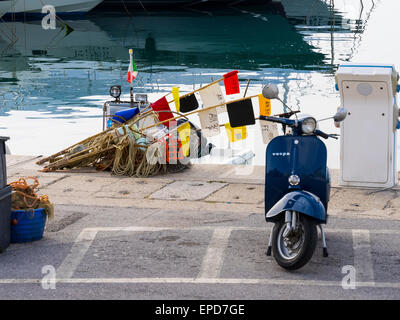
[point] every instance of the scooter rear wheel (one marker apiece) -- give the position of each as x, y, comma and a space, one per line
296, 254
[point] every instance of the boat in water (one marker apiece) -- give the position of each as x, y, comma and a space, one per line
21, 8
222, 40
144, 5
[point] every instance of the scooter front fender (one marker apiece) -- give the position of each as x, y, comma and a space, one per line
300, 201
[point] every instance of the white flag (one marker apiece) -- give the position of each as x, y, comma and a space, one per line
269, 130
209, 122
212, 96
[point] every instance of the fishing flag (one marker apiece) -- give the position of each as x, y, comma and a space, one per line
231, 82
132, 70
241, 113
235, 134
184, 135
265, 105
209, 122
212, 96
269, 130
188, 103
175, 95
161, 107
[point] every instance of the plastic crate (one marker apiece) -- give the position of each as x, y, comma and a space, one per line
5, 215
3, 172
29, 225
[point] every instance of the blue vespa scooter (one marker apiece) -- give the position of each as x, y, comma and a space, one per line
297, 186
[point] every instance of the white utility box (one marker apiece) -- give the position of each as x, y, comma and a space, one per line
368, 134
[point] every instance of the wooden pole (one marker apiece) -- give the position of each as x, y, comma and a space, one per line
64, 162
198, 111
197, 90
66, 150
247, 87
62, 152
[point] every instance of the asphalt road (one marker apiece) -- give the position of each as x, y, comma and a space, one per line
107, 253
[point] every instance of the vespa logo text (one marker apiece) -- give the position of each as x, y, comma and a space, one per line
281, 154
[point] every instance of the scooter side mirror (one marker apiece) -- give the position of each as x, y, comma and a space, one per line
270, 91
340, 115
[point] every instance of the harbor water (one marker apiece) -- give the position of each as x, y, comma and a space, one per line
53, 83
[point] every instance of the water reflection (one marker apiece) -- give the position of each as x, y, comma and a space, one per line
297, 44
248, 39
57, 68
225, 39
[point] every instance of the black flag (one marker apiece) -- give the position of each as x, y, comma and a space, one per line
188, 103
241, 113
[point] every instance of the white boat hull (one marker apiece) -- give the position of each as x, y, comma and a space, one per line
35, 6
4, 7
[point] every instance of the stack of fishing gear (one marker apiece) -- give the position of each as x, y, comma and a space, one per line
157, 139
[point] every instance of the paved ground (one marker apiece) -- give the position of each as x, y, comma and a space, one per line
127, 238
161, 254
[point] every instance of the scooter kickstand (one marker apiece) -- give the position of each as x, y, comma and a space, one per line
269, 249
324, 248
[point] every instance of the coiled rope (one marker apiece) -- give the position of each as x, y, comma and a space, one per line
24, 197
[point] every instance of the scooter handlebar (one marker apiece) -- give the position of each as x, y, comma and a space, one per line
290, 122
285, 121
325, 135
322, 134
287, 114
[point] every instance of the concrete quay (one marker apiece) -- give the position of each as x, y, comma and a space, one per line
198, 234
223, 188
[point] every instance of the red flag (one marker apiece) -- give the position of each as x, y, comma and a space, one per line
162, 105
231, 82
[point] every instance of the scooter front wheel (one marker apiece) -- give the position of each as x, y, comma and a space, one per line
292, 250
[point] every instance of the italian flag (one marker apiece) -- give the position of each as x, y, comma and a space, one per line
132, 70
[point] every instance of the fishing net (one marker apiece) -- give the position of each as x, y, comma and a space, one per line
125, 149
25, 198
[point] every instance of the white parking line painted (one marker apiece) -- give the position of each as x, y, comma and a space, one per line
233, 228
216, 281
86, 237
362, 256
214, 258
78, 251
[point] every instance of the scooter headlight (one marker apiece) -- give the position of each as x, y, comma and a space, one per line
308, 125
294, 180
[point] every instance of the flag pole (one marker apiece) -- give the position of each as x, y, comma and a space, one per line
131, 82
197, 90
197, 111
206, 86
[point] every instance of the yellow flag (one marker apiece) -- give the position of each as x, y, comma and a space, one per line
265, 106
175, 94
184, 135
235, 134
